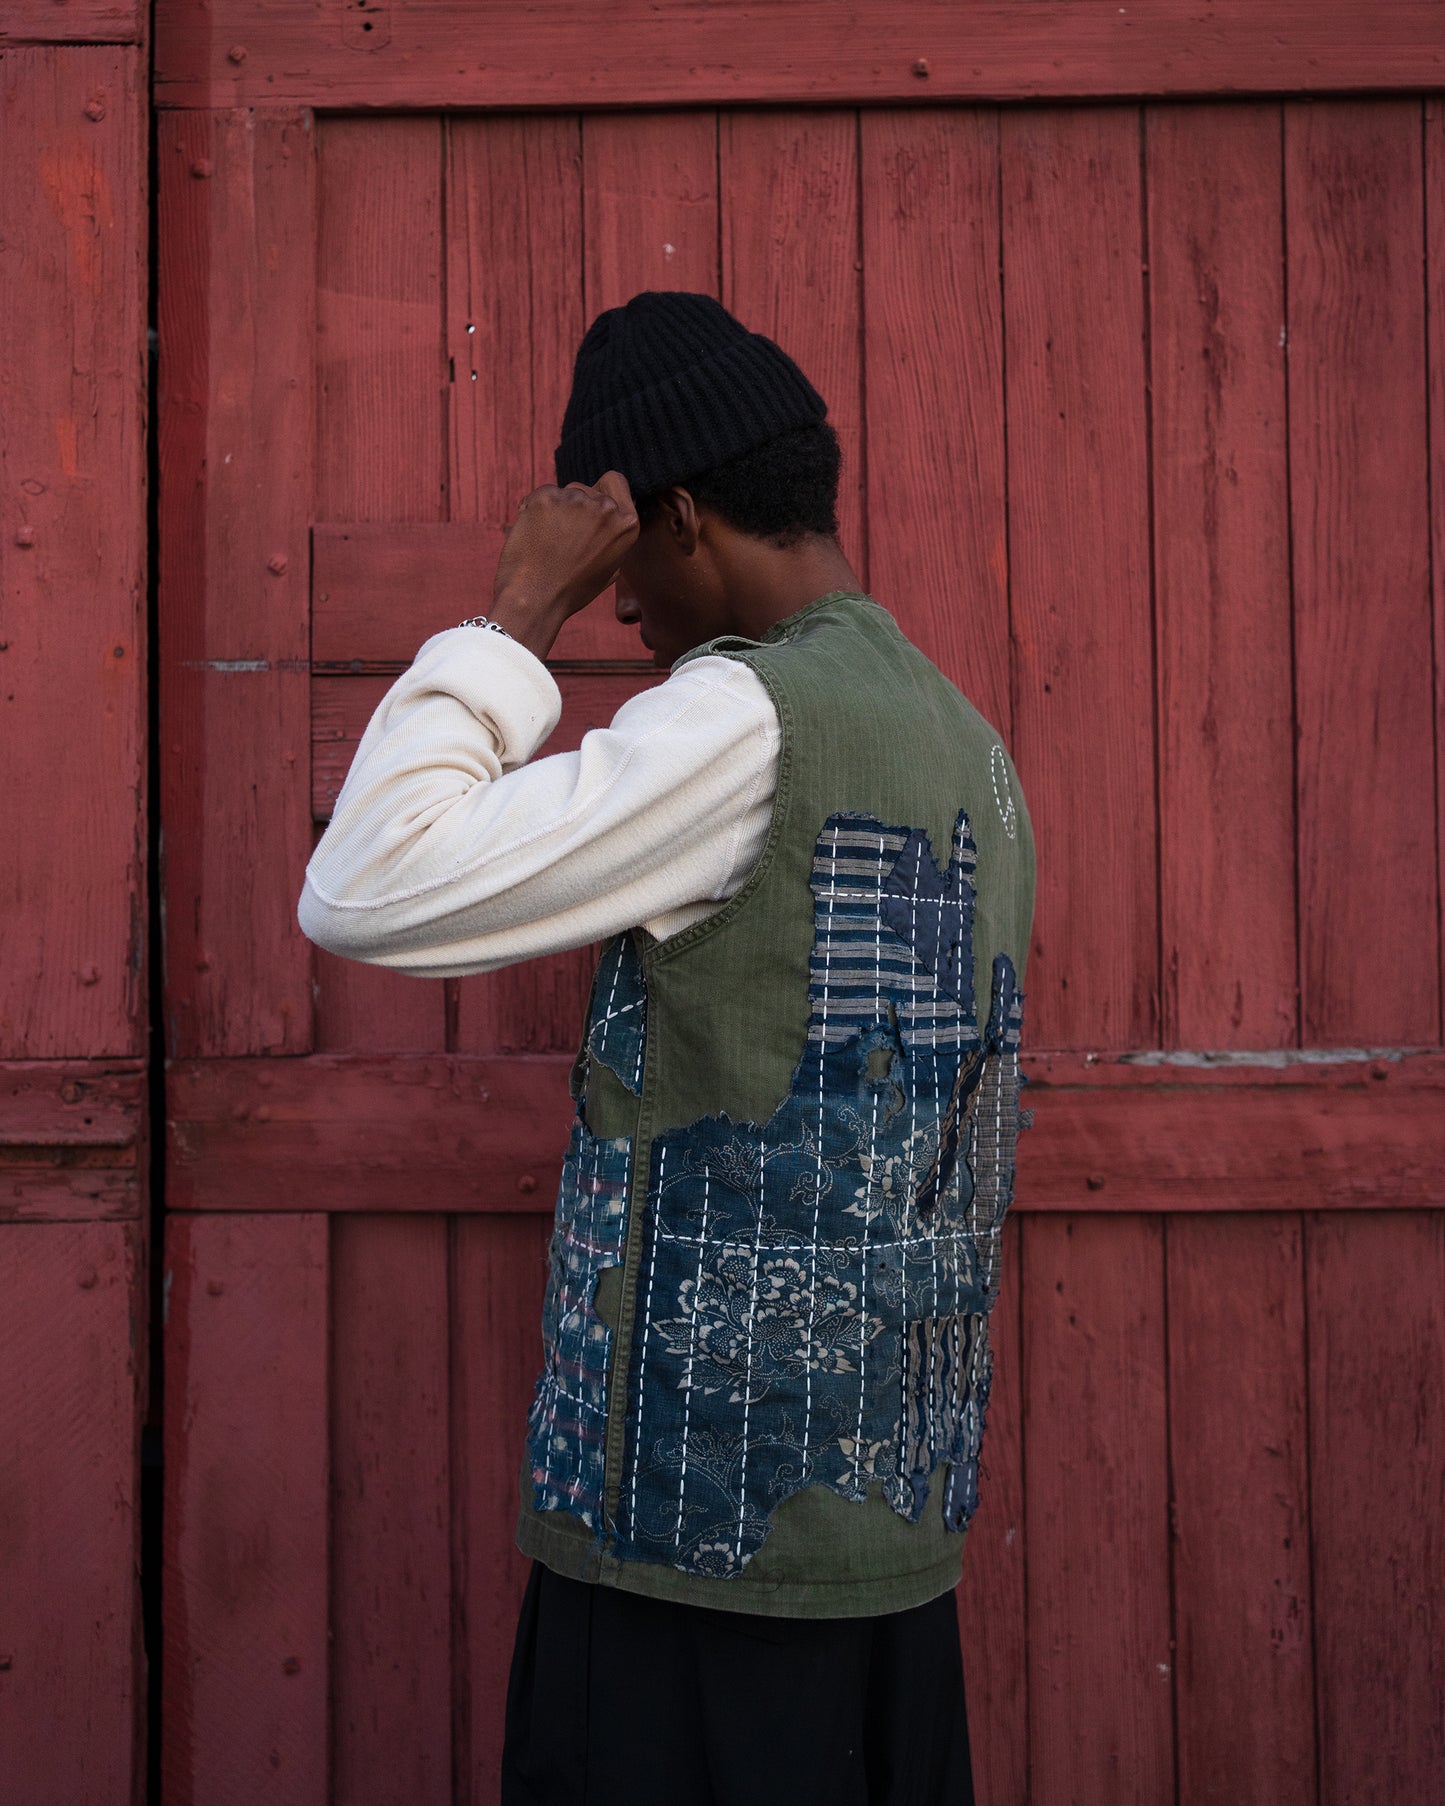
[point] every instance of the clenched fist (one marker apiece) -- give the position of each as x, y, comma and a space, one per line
562, 550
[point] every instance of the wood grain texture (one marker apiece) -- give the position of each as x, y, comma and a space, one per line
1221, 559
498, 1277
244, 1708
368, 1131
1359, 486
1239, 1469
475, 53
74, 23
73, 553
236, 425
1376, 1304
1096, 1511
933, 368
1083, 724
514, 322
992, 1614
1434, 180
74, 1139
72, 1311
391, 1513
650, 205
381, 453
791, 266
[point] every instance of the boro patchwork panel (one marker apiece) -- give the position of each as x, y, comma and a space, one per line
814, 1291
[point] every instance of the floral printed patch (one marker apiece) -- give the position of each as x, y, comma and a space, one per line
814, 1291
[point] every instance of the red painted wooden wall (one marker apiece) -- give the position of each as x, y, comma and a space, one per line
1135, 336
75, 1145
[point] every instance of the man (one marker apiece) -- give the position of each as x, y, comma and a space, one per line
753, 1449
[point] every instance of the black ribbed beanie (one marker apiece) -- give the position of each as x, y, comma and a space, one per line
669, 385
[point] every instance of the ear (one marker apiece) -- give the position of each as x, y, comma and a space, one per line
679, 511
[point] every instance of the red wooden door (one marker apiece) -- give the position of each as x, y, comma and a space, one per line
74, 902
1136, 404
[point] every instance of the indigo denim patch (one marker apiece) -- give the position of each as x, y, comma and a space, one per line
567, 1421
814, 1291
617, 1032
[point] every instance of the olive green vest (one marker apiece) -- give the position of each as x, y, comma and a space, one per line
776, 1242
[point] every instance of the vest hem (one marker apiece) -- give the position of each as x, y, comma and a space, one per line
582, 1558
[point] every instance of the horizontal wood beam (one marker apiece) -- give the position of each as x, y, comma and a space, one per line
378, 590
1358, 1129
630, 53
72, 1139
70, 22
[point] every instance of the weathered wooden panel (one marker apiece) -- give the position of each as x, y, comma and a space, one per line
381, 452
933, 371
1239, 1509
72, 553
245, 1658
992, 1615
72, 1335
1435, 360
236, 363
73, 1139
1221, 563
1376, 1324
1359, 488
391, 1657
471, 53
802, 288
1096, 1512
367, 1131
78, 23
1083, 718
514, 322
499, 1273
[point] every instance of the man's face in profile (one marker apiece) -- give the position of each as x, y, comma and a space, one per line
667, 585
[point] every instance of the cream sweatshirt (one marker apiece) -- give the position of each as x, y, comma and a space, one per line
452, 850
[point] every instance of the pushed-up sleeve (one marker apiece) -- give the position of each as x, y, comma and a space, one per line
452, 850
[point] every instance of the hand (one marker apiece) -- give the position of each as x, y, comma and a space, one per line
562, 551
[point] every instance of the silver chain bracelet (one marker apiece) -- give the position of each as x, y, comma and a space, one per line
482, 621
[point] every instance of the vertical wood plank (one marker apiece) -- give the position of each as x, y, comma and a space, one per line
1083, 722
1369, 920
992, 1618
933, 357
498, 1277
381, 437
514, 321
71, 1318
1434, 123
391, 1513
788, 190
244, 1717
650, 205
73, 552
1239, 1461
1376, 1303
1095, 1511
236, 195
1221, 536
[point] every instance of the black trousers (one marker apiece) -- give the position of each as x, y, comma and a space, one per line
618, 1700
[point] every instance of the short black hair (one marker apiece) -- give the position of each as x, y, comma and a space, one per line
783, 491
